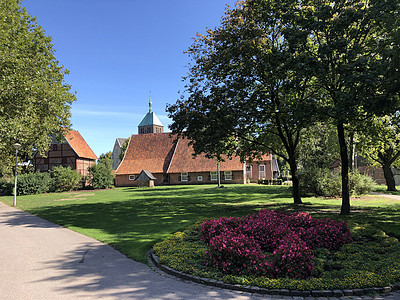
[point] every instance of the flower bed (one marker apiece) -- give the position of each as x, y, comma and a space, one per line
275, 250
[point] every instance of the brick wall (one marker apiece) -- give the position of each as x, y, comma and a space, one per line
254, 174
375, 172
205, 178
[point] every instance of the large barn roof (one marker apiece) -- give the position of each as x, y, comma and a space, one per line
183, 161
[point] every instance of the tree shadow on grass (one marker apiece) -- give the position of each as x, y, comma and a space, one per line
148, 216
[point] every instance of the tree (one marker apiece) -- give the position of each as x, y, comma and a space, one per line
380, 143
123, 148
105, 159
319, 147
352, 46
101, 176
34, 99
248, 92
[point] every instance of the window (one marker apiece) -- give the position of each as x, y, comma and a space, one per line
214, 175
131, 177
261, 169
249, 171
199, 178
54, 147
184, 176
228, 175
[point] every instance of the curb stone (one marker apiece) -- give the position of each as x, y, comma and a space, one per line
274, 292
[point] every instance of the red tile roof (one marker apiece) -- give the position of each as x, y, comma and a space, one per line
152, 151
79, 145
183, 161
158, 153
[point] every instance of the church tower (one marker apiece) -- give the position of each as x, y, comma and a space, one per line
150, 122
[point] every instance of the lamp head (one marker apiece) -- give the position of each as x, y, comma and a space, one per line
17, 146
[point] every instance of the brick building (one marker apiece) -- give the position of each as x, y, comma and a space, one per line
172, 162
72, 151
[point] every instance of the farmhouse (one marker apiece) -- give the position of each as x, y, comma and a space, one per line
172, 162
72, 151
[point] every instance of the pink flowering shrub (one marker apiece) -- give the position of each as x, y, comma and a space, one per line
212, 228
292, 258
236, 245
233, 252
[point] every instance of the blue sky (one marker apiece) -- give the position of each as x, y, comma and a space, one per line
117, 52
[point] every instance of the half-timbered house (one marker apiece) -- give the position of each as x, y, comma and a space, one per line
72, 151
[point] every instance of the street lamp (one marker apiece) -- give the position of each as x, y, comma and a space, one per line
16, 147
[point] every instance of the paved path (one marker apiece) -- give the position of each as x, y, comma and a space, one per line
395, 197
41, 260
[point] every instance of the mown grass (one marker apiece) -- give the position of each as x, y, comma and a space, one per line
383, 189
132, 220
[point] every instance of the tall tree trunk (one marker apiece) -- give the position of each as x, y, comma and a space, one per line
345, 209
295, 181
387, 171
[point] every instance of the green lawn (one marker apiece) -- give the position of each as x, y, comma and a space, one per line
132, 220
383, 189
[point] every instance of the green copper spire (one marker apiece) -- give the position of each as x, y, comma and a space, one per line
150, 118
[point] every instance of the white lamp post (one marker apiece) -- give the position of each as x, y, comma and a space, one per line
16, 147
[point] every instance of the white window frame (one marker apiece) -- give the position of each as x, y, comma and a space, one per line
228, 175
131, 177
199, 178
261, 174
184, 176
249, 171
214, 175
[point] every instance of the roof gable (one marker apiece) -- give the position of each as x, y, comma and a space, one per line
120, 141
145, 175
150, 152
79, 145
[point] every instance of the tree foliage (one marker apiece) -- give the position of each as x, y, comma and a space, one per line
123, 148
34, 99
380, 143
273, 67
101, 176
248, 92
319, 147
105, 159
353, 46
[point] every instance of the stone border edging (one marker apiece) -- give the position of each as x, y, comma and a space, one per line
281, 292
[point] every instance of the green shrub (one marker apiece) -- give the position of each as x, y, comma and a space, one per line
33, 183
360, 184
6, 187
323, 182
65, 179
101, 177
319, 182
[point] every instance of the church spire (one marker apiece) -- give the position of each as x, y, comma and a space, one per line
150, 104
150, 123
